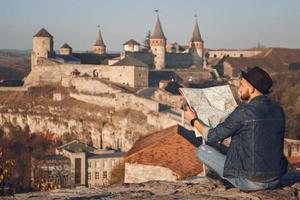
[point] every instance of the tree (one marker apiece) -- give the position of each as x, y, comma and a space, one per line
146, 42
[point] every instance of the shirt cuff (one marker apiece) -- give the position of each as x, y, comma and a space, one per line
203, 134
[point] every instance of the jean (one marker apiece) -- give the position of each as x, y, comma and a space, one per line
215, 160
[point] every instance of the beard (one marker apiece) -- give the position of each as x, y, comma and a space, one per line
245, 96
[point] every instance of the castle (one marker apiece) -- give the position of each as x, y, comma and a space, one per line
130, 68
160, 55
134, 67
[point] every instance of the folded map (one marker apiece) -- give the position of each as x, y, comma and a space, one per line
212, 105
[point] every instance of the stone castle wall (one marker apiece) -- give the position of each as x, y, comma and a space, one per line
120, 101
231, 53
89, 85
127, 75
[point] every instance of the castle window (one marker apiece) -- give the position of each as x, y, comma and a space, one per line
241, 55
90, 164
89, 176
215, 55
97, 175
105, 174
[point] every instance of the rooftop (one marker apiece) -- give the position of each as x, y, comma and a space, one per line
196, 37
170, 148
43, 33
65, 45
132, 41
130, 61
76, 147
158, 32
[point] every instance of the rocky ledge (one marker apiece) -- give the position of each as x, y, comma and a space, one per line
198, 188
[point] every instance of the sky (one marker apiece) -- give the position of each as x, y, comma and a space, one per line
237, 24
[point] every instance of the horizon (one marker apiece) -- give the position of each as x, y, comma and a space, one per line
271, 23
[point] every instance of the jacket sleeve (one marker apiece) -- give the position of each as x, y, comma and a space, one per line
227, 128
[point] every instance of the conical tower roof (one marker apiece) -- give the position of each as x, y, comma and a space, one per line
43, 33
196, 37
99, 41
158, 32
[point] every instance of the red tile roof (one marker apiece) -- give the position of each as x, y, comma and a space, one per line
167, 148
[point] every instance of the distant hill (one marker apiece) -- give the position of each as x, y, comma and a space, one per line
272, 59
281, 55
14, 64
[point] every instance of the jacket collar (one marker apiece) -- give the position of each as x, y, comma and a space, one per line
258, 98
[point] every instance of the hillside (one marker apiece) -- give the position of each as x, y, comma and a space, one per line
271, 59
14, 64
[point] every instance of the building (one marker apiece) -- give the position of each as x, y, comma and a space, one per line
169, 154
132, 45
89, 166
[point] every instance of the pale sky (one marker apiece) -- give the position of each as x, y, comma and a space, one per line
223, 23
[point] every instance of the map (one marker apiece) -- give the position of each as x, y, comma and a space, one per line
212, 105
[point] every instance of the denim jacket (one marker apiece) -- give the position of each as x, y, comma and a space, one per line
257, 136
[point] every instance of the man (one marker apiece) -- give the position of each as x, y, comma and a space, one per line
254, 159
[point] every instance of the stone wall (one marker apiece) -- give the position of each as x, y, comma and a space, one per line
42, 47
90, 85
233, 53
127, 75
55, 73
165, 97
120, 101
179, 75
291, 147
13, 89
137, 173
161, 120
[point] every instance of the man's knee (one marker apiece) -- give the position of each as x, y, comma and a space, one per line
202, 151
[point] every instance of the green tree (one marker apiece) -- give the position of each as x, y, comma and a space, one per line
146, 42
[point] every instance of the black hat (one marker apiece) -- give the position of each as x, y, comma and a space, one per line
259, 79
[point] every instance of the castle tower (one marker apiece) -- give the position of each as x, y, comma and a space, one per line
196, 46
99, 46
65, 50
158, 46
42, 46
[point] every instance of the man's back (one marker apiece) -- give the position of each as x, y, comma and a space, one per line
256, 150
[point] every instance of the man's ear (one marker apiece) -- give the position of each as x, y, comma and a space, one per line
252, 90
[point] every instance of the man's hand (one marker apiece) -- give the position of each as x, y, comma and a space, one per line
189, 114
